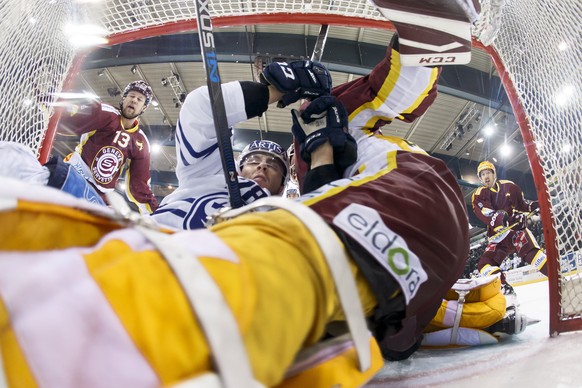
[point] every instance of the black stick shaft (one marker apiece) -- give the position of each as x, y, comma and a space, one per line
208, 51
320, 43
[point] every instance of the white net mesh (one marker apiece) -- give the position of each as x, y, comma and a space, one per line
540, 47
538, 42
35, 58
120, 16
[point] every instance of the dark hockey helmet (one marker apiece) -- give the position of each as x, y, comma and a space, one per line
266, 147
142, 87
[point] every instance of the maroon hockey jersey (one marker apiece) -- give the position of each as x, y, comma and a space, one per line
504, 195
105, 147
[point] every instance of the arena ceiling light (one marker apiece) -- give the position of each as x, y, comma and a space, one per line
69, 98
489, 130
85, 35
73, 96
505, 150
156, 148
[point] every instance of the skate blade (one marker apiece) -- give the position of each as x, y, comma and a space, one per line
532, 321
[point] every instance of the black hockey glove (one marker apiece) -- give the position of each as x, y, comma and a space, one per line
534, 207
499, 220
322, 120
298, 79
518, 218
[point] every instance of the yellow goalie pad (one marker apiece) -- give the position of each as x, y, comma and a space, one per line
89, 252
484, 305
331, 364
470, 306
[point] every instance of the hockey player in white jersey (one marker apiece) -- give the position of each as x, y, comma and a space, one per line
402, 93
263, 165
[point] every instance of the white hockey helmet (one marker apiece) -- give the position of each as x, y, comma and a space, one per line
266, 147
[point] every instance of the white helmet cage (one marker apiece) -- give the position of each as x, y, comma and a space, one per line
266, 147
292, 168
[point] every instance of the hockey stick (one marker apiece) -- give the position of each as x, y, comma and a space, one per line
508, 228
320, 43
321, 38
300, 166
209, 59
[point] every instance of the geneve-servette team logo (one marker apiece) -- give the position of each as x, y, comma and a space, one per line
106, 164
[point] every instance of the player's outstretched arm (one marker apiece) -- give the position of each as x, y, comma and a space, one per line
296, 80
321, 129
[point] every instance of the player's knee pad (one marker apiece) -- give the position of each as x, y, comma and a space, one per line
539, 262
489, 269
67, 179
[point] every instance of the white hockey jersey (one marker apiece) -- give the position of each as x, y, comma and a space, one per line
203, 189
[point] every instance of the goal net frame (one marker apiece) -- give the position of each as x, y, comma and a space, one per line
138, 19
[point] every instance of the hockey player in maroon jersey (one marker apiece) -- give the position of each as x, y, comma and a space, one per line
111, 138
398, 211
499, 204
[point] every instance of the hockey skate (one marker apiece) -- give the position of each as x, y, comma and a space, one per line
508, 290
513, 323
510, 295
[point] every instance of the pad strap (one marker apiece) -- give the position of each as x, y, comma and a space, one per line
336, 260
458, 315
463, 287
208, 304
3, 383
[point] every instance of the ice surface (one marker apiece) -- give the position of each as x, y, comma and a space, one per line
531, 359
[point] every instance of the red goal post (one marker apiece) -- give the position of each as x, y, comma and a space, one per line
537, 53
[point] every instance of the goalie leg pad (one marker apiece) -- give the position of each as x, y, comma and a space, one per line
432, 34
206, 380
481, 306
489, 270
465, 337
331, 363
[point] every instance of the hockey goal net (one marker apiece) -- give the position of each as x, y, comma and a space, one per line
537, 53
